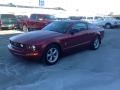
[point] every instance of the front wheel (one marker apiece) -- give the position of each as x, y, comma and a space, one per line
96, 43
51, 54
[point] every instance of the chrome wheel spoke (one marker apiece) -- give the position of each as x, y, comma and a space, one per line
50, 58
54, 52
54, 56
51, 51
48, 55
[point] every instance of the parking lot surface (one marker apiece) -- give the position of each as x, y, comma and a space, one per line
84, 70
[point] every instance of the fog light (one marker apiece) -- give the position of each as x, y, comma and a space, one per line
34, 48
32, 54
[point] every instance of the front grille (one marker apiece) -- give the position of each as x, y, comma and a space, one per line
20, 46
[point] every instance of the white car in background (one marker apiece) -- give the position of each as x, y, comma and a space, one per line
106, 22
91, 18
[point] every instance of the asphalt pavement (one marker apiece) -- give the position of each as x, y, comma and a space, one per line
84, 70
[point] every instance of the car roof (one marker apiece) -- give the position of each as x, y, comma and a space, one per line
6, 14
71, 21
39, 14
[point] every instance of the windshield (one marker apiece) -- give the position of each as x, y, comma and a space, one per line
7, 16
40, 16
21, 17
60, 27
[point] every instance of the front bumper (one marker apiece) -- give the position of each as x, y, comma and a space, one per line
9, 26
24, 53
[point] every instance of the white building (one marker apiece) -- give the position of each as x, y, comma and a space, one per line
21, 2
74, 7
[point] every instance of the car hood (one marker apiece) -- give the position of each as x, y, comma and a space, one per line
34, 37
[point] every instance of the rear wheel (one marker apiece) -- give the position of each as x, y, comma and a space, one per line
51, 54
108, 26
25, 28
96, 43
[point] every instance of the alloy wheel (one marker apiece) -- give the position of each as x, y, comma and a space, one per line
96, 43
52, 55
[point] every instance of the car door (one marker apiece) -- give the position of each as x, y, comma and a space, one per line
78, 35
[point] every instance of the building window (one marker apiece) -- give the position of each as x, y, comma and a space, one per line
41, 3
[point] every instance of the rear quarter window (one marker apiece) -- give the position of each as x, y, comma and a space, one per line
80, 26
92, 26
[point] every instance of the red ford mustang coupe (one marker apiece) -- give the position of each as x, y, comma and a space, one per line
55, 39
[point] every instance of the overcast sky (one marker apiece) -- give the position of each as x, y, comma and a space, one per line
93, 4
96, 6
81, 5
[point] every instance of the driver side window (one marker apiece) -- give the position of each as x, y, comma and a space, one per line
79, 26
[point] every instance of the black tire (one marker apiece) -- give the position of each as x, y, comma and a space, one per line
95, 44
25, 28
108, 26
51, 54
